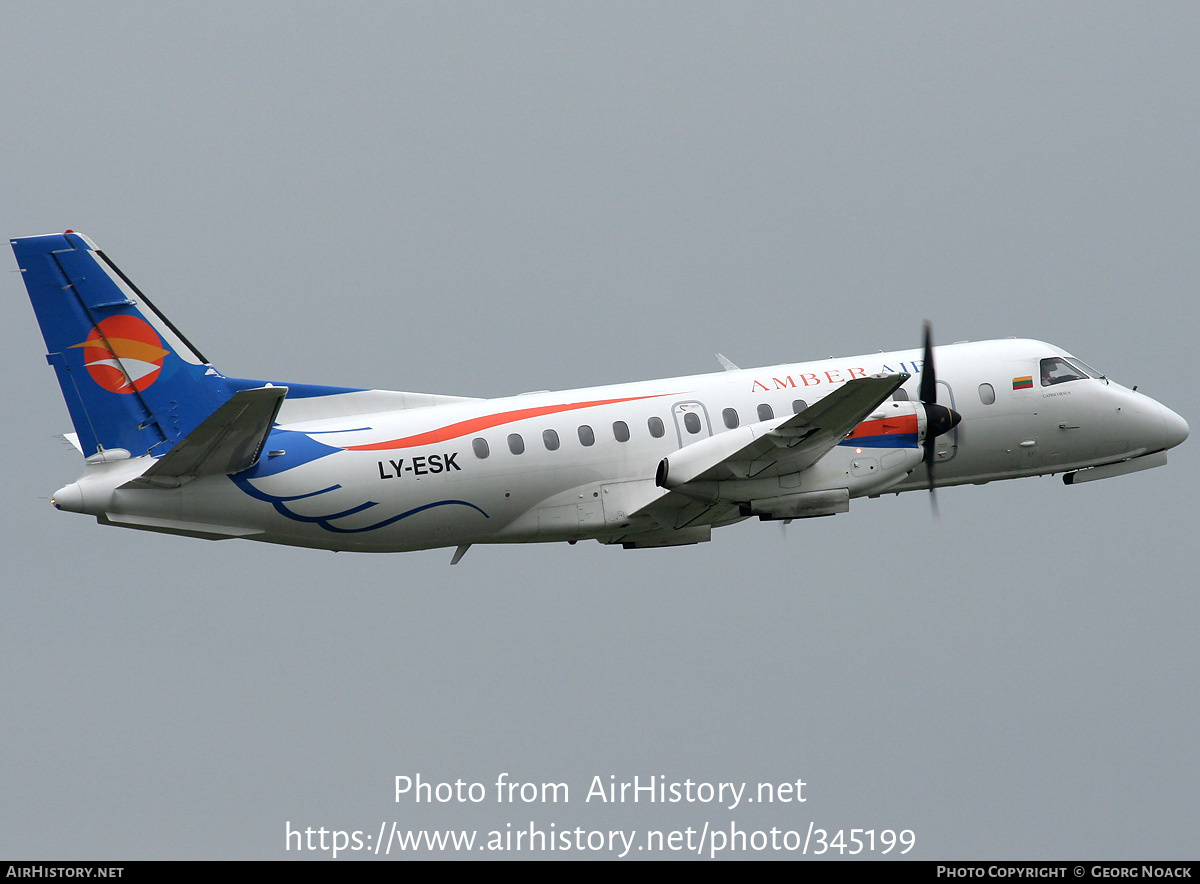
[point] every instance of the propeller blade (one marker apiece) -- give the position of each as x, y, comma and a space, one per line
939, 419
928, 372
930, 454
928, 396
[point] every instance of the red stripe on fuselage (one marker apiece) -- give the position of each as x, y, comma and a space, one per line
888, 426
478, 424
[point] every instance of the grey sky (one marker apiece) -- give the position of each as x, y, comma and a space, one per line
483, 199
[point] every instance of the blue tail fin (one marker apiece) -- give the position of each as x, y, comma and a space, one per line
130, 379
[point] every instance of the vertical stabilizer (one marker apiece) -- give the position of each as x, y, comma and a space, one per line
130, 379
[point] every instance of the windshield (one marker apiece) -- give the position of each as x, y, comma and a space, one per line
1057, 370
1085, 368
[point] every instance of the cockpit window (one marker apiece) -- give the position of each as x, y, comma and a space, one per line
1057, 370
1085, 368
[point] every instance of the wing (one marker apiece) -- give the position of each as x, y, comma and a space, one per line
785, 445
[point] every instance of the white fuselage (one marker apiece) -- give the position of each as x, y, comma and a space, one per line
573, 464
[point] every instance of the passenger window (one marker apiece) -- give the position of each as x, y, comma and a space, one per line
481, 448
586, 436
765, 412
901, 395
1059, 371
550, 438
621, 431
730, 416
656, 427
987, 394
798, 406
691, 421
516, 444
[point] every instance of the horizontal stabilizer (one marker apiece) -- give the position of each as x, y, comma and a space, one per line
229, 440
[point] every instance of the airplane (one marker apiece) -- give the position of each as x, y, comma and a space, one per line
172, 445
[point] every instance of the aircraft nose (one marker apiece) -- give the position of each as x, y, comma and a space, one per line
1176, 427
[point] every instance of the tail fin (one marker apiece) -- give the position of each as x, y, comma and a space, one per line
130, 379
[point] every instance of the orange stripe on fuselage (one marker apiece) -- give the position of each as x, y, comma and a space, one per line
478, 424
888, 426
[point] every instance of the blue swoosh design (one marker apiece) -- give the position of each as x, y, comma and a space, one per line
301, 449
298, 448
281, 507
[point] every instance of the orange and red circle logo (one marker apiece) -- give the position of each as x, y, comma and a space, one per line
123, 354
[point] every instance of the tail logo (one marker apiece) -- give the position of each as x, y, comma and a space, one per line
123, 354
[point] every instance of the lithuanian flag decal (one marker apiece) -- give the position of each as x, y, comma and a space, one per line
1024, 383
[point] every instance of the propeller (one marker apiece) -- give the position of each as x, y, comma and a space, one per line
938, 418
